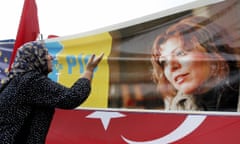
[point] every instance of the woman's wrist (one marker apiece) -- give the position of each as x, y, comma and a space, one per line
88, 74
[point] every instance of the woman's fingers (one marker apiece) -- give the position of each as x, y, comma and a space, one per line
99, 58
94, 61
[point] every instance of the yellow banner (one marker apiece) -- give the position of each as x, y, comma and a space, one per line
72, 61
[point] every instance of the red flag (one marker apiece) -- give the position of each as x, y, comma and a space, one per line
123, 126
28, 29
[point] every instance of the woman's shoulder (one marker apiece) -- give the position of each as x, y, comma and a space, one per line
30, 74
28, 77
22, 81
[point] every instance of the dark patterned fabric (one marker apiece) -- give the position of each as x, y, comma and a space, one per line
29, 98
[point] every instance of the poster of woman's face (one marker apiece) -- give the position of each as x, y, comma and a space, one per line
185, 61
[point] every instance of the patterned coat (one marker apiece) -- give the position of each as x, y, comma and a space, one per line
29, 97
27, 106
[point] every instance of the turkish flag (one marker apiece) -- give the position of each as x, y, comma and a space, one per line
122, 127
28, 29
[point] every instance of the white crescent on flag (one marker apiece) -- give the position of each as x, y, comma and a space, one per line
191, 123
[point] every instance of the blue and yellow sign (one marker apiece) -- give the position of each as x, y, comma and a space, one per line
71, 57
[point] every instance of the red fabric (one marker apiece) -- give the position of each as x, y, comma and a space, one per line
28, 29
52, 36
76, 127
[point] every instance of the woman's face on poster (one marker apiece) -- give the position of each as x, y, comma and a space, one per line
185, 70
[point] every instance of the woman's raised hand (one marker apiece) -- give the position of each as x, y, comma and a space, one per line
93, 62
91, 65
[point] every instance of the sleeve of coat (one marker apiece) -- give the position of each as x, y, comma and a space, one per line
45, 92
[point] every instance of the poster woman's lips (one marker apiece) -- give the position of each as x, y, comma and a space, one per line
180, 78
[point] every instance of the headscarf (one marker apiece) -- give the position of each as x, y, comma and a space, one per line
31, 56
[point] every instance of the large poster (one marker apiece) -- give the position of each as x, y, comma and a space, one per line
172, 78
184, 61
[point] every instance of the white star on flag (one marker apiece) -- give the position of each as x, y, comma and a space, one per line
105, 117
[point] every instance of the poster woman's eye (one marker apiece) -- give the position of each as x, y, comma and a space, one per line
180, 52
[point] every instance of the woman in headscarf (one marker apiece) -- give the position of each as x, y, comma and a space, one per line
28, 97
